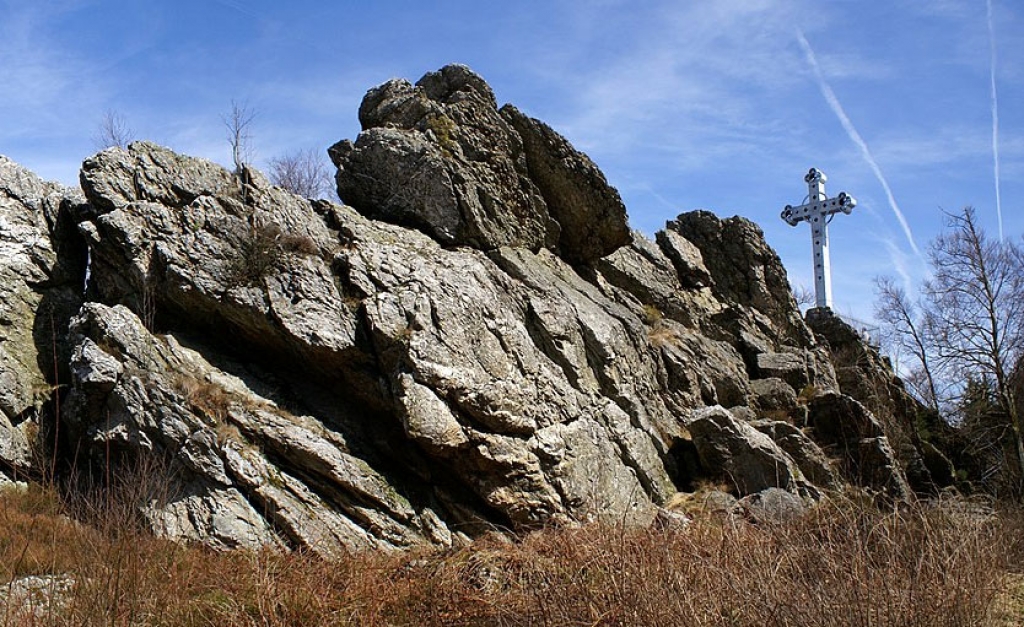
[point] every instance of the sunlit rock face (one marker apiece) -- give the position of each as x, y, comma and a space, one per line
478, 342
441, 157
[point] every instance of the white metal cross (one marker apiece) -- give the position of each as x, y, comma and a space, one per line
818, 211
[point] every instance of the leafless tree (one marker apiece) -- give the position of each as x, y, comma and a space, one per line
976, 310
113, 131
239, 126
904, 332
969, 324
304, 172
803, 296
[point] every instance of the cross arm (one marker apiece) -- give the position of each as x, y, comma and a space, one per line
819, 208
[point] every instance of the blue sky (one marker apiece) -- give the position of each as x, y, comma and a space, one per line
684, 105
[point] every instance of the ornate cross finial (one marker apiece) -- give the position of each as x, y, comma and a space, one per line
818, 211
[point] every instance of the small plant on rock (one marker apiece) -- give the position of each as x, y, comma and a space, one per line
258, 252
443, 128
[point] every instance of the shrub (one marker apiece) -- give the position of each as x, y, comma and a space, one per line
443, 129
258, 252
651, 314
206, 397
262, 248
843, 563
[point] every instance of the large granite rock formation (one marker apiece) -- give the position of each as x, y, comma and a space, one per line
441, 157
41, 280
479, 343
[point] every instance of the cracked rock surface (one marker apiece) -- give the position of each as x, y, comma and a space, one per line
478, 342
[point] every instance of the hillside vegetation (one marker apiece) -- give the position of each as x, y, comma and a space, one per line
843, 563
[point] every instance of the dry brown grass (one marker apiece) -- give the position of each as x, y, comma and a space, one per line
843, 564
206, 397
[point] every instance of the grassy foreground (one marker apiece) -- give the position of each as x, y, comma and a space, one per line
842, 564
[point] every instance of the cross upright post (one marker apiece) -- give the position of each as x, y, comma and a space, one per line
818, 211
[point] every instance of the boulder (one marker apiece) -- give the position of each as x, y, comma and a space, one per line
440, 157
744, 270
773, 395
789, 367
641, 273
847, 430
686, 258
699, 371
742, 455
812, 461
589, 212
771, 506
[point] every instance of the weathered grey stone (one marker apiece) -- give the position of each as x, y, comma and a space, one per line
716, 501
790, 367
186, 247
589, 212
145, 172
230, 448
467, 356
332, 382
439, 157
577, 455
687, 259
744, 270
41, 280
700, 371
498, 350
741, 454
847, 430
772, 506
36, 599
643, 272
865, 375
809, 457
772, 395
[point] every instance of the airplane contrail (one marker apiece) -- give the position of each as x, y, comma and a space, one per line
995, 114
854, 136
238, 6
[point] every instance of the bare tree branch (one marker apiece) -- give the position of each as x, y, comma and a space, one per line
238, 124
304, 172
113, 131
967, 332
904, 330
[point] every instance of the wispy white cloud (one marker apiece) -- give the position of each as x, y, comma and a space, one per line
239, 6
899, 264
918, 147
851, 131
669, 74
995, 113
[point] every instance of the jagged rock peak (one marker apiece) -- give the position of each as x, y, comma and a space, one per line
440, 156
42, 267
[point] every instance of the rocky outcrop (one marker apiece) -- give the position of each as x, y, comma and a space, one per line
863, 374
439, 156
502, 389
41, 280
848, 431
743, 456
477, 343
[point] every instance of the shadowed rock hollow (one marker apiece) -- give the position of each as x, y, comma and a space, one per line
475, 341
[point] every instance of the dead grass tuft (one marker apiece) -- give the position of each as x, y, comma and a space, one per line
842, 564
206, 397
